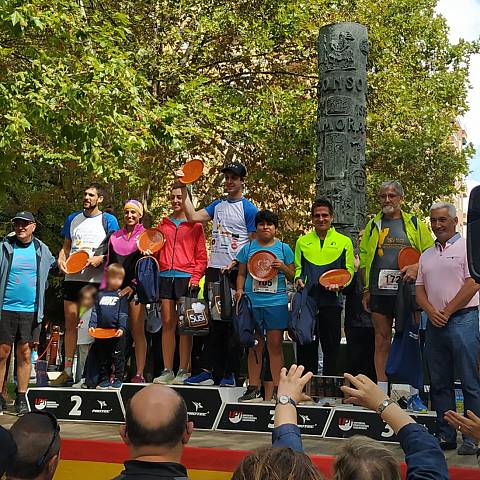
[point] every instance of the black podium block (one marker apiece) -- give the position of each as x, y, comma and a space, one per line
78, 405
259, 417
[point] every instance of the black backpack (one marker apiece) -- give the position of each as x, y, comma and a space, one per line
148, 281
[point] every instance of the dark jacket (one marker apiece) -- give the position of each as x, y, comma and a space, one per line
45, 261
138, 470
355, 314
110, 311
423, 456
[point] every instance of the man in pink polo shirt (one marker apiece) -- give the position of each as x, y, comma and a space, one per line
449, 297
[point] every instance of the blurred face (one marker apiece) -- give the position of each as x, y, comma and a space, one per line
266, 231
176, 200
87, 300
443, 225
233, 183
24, 230
322, 219
132, 217
390, 200
91, 199
114, 281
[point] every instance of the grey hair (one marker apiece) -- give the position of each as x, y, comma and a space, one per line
397, 186
452, 211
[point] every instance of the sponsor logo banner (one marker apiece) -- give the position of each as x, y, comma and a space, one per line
345, 423
78, 405
203, 403
253, 417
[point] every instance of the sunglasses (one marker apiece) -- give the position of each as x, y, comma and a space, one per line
56, 427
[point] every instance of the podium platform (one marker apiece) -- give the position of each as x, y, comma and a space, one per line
216, 408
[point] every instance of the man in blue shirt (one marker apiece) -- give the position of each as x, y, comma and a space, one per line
87, 230
24, 265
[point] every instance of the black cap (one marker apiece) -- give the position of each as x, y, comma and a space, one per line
8, 449
237, 168
27, 216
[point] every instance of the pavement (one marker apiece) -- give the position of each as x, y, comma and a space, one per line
228, 440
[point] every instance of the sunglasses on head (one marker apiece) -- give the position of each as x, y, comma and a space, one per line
56, 427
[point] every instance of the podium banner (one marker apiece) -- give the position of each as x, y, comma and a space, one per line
257, 417
79, 405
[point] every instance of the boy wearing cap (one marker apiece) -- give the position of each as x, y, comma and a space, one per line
24, 265
233, 225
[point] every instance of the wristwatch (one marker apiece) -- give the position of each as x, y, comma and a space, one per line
285, 400
384, 405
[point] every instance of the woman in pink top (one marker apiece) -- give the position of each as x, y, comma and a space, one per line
122, 249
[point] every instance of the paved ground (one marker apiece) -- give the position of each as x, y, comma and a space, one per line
229, 440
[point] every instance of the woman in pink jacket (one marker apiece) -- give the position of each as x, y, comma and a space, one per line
122, 248
182, 260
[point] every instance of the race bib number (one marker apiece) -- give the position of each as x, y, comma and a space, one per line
268, 286
389, 279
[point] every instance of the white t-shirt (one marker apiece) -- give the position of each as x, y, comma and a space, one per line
232, 222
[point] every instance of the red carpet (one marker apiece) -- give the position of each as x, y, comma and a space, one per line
202, 459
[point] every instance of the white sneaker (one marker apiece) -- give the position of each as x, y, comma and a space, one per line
182, 375
79, 384
166, 378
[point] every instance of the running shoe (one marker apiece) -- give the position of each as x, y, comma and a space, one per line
166, 378
415, 404
203, 378
182, 375
63, 380
228, 381
79, 384
252, 395
138, 379
116, 384
103, 385
467, 449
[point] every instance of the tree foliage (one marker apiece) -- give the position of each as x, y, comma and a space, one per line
125, 91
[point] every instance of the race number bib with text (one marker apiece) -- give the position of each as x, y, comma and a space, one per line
268, 286
389, 279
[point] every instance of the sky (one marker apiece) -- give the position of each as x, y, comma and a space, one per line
463, 17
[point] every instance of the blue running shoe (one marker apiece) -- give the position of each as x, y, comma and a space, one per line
203, 378
116, 385
228, 381
415, 404
103, 385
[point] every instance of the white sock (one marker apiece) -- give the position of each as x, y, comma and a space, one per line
413, 391
383, 386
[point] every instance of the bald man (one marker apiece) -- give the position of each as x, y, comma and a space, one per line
156, 431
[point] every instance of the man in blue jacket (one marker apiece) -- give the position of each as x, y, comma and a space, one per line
24, 265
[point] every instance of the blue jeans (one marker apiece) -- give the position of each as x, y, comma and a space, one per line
454, 349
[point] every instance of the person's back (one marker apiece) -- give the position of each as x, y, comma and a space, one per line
37, 436
155, 442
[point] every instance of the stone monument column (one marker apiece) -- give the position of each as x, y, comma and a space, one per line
341, 132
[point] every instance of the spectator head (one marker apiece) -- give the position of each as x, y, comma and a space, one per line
146, 432
391, 196
93, 195
271, 463
87, 296
8, 449
115, 276
362, 458
37, 435
444, 220
24, 224
322, 215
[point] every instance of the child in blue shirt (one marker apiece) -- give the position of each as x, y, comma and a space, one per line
110, 311
269, 300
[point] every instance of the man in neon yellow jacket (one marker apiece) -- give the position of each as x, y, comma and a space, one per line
385, 235
317, 252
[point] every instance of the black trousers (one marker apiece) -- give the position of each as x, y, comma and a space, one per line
361, 351
329, 334
110, 352
221, 351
